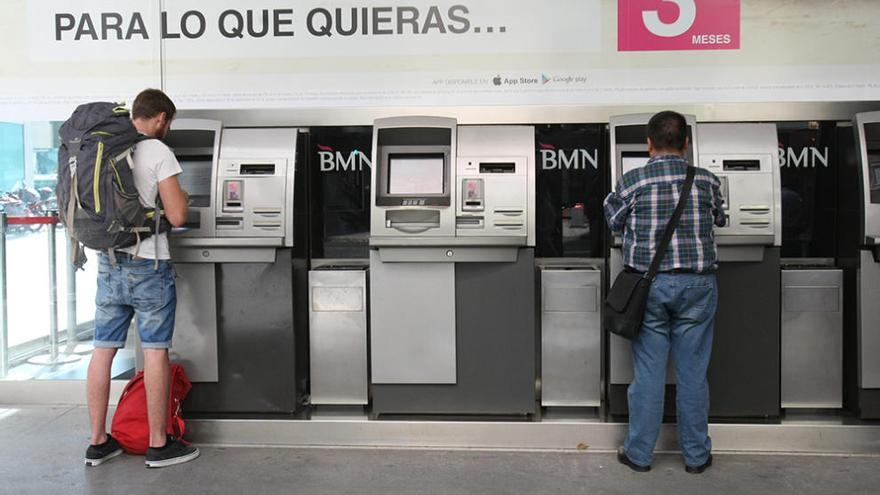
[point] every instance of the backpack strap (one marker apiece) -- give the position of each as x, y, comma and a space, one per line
126, 155
77, 254
158, 218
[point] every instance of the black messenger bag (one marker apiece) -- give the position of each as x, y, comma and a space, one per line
626, 301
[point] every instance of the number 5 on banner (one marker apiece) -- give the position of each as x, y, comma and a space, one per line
687, 14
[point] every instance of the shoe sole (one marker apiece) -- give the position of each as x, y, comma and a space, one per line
174, 461
98, 462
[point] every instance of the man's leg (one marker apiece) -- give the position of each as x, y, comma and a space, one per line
157, 378
112, 319
98, 392
692, 331
646, 393
156, 296
155, 299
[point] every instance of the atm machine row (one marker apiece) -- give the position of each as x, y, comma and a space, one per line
452, 314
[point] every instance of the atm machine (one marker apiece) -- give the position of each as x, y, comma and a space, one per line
867, 126
452, 271
744, 374
234, 331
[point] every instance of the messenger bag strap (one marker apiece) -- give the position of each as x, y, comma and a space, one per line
673, 222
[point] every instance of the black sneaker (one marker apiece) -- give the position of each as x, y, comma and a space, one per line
624, 459
99, 454
699, 469
174, 452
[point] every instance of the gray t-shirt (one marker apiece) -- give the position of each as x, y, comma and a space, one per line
153, 163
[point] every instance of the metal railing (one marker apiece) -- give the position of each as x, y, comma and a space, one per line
53, 357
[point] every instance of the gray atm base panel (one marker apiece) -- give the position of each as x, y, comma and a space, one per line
744, 373
496, 346
255, 341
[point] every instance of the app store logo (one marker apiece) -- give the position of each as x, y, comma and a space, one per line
644, 25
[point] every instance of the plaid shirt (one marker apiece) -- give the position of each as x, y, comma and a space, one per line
643, 203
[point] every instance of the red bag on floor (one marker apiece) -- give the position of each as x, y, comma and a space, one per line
130, 426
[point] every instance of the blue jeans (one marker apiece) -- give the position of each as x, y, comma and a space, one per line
679, 318
135, 288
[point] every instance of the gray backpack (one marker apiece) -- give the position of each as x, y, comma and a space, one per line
97, 199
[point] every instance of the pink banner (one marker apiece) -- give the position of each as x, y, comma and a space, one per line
644, 25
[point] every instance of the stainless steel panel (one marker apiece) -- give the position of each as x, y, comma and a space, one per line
446, 241
571, 337
412, 322
740, 253
222, 242
813, 299
504, 143
448, 255
571, 299
338, 336
812, 339
747, 189
828, 438
195, 329
869, 321
224, 255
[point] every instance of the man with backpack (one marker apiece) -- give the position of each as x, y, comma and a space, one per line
135, 279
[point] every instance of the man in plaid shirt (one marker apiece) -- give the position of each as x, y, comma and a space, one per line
680, 312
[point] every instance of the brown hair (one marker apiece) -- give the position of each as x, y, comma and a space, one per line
152, 102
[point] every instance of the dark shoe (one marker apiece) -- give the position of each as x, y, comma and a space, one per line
699, 469
174, 452
99, 454
623, 459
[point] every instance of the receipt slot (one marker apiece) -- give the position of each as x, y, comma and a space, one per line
234, 258
452, 271
867, 127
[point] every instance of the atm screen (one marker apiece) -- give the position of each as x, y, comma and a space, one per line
415, 174
196, 180
631, 160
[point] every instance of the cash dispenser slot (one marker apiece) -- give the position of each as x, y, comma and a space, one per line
742, 165
257, 169
497, 168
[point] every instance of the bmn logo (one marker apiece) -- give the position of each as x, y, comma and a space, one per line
576, 159
337, 161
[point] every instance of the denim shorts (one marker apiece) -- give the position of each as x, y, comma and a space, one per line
134, 287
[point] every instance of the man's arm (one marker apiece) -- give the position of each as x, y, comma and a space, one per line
616, 211
718, 204
174, 201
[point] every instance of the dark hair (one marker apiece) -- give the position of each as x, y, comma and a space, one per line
668, 130
152, 102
